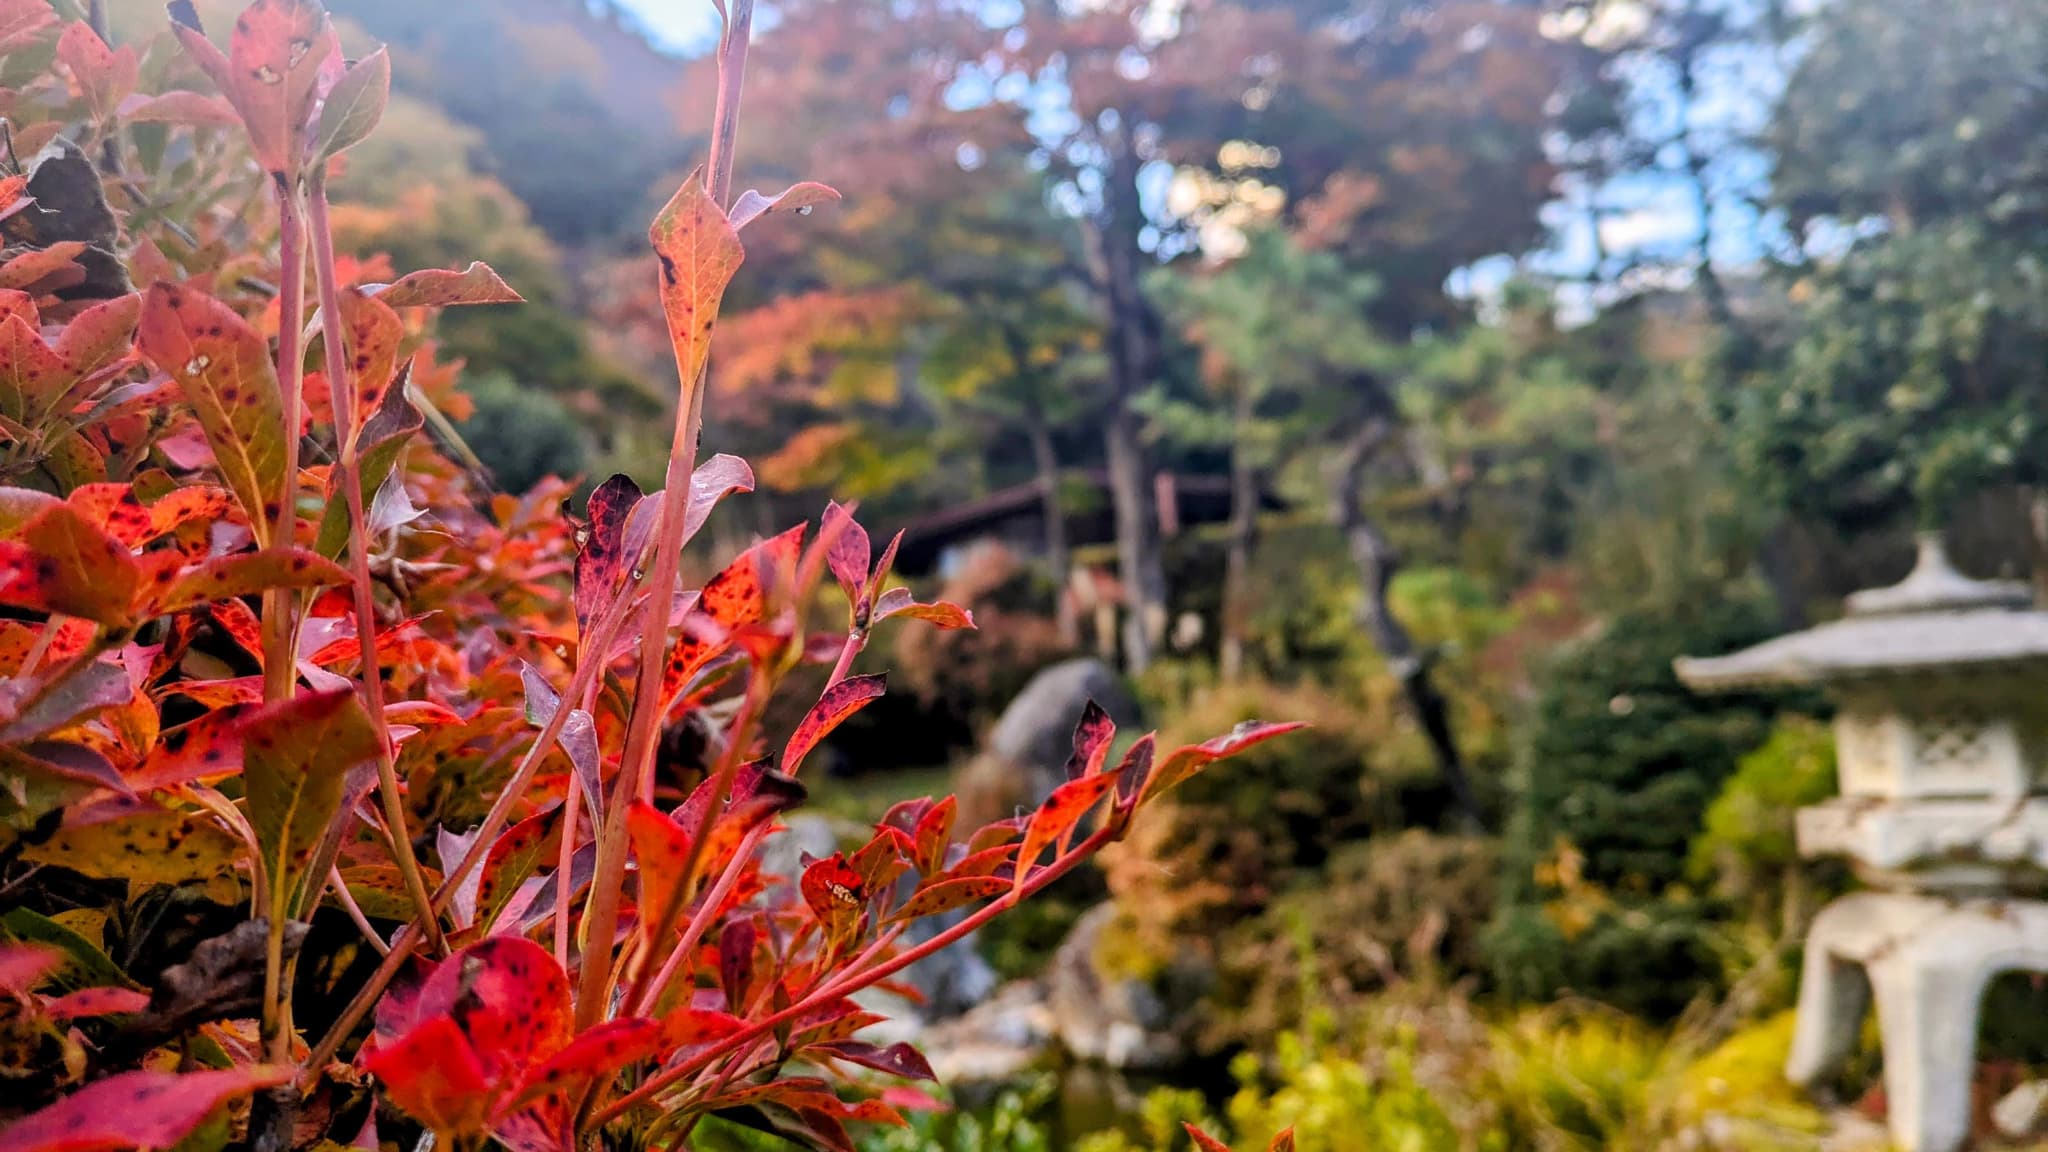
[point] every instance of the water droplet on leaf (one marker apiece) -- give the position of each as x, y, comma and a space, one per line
268, 75
198, 364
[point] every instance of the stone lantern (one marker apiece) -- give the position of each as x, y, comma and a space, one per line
1941, 736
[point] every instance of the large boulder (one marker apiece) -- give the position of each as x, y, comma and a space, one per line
1108, 1018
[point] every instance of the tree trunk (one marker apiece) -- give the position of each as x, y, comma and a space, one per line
1133, 356
1377, 562
1237, 560
1056, 556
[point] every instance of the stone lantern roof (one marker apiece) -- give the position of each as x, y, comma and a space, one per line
1935, 620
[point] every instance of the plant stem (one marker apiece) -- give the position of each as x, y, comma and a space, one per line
341, 386
636, 767
280, 606
854, 981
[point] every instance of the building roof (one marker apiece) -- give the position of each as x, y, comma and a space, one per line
1935, 619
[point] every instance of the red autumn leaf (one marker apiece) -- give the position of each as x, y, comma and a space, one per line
899, 602
1203, 1140
933, 835
41, 271
735, 597
1185, 762
946, 895
22, 965
897, 1059
60, 563
797, 198
661, 847
699, 250
444, 288
104, 77
281, 59
602, 563
121, 513
372, 333
1282, 1142
987, 862
433, 1074
225, 577
225, 371
134, 1110
1092, 736
838, 703
208, 748
1055, 819
835, 893
100, 337
88, 1002
883, 858
597, 1053
22, 21
1001, 832
848, 556
687, 1028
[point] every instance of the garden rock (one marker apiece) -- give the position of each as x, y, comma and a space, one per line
1102, 1017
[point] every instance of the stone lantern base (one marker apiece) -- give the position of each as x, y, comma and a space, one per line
1926, 961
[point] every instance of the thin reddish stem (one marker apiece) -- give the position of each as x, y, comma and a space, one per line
280, 606
341, 387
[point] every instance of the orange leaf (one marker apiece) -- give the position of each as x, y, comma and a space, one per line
1187, 761
947, 895
699, 250
1203, 1140
442, 287
661, 847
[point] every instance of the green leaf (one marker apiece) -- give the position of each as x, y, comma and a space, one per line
84, 965
356, 105
296, 757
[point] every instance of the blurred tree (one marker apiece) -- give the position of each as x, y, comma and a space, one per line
1915, 376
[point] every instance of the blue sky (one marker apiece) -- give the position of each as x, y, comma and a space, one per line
677, 25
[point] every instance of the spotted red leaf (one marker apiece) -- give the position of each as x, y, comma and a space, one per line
1056, 818
205, 749
443, 288
986, 862
1092, 736
883, 858
89, 1002
122, 513
61, 563
32, 375
735, 597
510, 999
518, 851
1185, 762
225, 371
601, 560
296, 757
134, 1110
1203, 1140
946, 895
897, 1059
933, 835
372, 333
699, 250
433, 1074
225, 577
839, 702
835, 893
848, 556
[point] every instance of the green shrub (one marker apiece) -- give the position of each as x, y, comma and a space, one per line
1407, 907
1747, 842
1650, 957
522, 435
